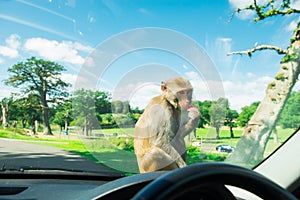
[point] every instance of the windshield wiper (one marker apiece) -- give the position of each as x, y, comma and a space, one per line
59, 171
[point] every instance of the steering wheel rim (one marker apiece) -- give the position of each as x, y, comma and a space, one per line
169, 184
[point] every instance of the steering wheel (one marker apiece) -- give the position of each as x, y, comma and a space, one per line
209, 179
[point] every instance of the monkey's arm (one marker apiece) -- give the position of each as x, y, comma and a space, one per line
174, 155
161, 130
192, 123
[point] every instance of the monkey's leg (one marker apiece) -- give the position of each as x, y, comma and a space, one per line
156, 160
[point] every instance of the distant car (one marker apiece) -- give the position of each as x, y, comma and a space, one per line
225, 148
196, 144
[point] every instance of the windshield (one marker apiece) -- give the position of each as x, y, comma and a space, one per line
124, 87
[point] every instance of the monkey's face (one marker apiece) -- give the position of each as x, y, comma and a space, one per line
184, 98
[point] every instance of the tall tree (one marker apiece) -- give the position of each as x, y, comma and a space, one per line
117, 106
231, 116
84, 110
102, 102
204, 109
63, 115
218, 113
42, 78
27, 110
251, 146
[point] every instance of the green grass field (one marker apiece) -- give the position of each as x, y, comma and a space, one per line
110, 152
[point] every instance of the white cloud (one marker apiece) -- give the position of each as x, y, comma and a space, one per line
139, 94
295, 4
184, 66
192, 76
250, 75
143, 11
6, 91
141, 98
69, 78
8, 52
240, 3
239, 93
10, 49
242, 94
292, 25
223, 47
13, 41
65, 51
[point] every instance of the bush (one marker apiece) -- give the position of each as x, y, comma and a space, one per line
192, 151
195, 155
124, 121
123, 143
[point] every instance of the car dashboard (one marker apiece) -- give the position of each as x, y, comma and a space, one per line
41, 186
47, 186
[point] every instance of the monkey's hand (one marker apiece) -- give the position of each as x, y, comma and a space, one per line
180, 162
194, 116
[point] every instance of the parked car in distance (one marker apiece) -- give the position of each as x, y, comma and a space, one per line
225, 148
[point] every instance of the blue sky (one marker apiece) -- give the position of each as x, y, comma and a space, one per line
72, 33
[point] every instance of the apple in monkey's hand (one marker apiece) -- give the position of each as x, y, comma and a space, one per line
193, 112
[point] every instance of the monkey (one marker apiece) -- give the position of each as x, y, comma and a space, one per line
159, 133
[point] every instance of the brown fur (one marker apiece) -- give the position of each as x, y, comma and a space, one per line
160, 131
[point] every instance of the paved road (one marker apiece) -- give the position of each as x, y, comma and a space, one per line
15, 154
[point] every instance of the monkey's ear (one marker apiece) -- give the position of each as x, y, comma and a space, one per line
163, 86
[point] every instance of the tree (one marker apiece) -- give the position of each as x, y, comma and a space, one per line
30, 109
290, 116
84, 110
136, 110
217, 113
41, 78
27, 110
63, 115
250, 148
5, 104
126, 107
231, 115
204, 109
246, 114
102, 102
120, 107
117, 106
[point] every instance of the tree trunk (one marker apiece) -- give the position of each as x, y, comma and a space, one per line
231, 132
5, 115
24, 122
36, 126
217, 132
250, 148
46, 123
85, 126
66, 125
